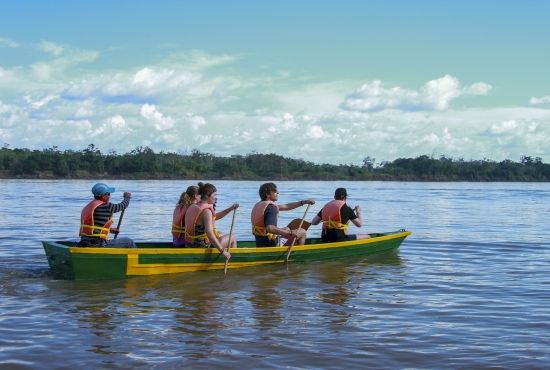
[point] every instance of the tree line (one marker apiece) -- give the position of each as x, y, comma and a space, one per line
143, 163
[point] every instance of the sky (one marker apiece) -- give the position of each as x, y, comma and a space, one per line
324, 81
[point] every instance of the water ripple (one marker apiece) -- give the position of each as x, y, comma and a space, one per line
469, 288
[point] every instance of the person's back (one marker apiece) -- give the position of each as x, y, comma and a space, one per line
96, 219
178, 225
336, 216
187, 198
194, 227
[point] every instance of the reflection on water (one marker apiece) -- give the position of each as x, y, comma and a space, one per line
467, 289
266, 301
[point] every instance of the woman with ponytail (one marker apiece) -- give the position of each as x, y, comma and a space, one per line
188, 197
200, 218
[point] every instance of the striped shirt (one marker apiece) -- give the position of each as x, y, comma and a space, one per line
102, 214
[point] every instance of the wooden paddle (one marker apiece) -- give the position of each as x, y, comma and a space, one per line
294, 224
229, 242
119, 222
296, 237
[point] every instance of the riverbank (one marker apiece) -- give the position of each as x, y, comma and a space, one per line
145, 164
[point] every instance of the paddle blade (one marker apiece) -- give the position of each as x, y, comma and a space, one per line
293, 225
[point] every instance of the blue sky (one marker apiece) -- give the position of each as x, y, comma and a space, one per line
326, 81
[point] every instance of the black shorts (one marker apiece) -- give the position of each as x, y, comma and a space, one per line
333, 237
92, 242
264, 241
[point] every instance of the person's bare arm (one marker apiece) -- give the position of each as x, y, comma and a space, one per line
209, 229
222, 214
283, 231
293, 205
357, 221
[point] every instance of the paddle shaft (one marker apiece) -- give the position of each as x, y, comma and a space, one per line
229, 241
119, 222
296, 237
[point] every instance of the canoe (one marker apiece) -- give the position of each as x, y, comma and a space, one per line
68, 261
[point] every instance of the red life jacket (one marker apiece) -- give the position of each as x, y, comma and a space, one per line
191, 216
87, 225
178, 221
258, 221
332, 217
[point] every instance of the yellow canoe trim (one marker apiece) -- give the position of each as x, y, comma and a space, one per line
137, 251
135, 268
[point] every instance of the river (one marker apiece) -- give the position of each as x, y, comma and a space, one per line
470, 288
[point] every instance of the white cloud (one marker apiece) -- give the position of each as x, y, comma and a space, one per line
4, 41
41, 102
175, 106
544, 100
118, 121
478, 88
51, 48
315, 132
200, 60
57, 68
151, 113
434, 95
195, 121
9, 115
503, 127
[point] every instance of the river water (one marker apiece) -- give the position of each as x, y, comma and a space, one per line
470, 288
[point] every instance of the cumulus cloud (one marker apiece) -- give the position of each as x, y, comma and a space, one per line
151, 113
145, 85
543, 100
182, 104
118, 121
148, 78
195, 121
434, 95
503, 127
315, 132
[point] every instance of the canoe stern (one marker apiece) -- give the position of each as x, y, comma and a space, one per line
59, 260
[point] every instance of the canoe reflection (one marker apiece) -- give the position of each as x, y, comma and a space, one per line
193, 312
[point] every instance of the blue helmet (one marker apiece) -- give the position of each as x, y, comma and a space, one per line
101, 188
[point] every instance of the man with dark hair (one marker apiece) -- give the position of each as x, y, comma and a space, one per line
96, 219
264, 218
336, 215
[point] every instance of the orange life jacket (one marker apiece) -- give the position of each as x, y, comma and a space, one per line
178, 221
191, 217
332, 217
258, 221
87, 225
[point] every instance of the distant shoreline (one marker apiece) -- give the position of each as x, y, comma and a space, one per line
107, 177
143, 163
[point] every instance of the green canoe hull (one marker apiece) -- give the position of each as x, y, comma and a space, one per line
68, 261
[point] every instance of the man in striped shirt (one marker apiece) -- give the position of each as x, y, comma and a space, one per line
96, 219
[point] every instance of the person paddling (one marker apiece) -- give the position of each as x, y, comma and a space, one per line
188, 197
96, 219
336, 215
200, 218
264, 218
